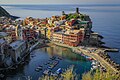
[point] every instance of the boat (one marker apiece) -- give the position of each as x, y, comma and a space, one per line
52, 65
38, 68
55, 63
46, 72
88, 58
59, 71
94, 67
93, 63
53, 58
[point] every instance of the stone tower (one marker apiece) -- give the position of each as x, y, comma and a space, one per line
77, 10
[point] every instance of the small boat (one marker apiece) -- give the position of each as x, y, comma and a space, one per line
59, 71
55, 63
51, 67
94, 67
93, 63
38, 68
53, 58
46, 72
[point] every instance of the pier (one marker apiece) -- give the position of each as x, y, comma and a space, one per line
111, 50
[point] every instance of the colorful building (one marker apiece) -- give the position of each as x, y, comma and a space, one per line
57, 37
73, 37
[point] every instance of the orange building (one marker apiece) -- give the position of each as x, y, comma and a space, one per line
73, 38
57, 37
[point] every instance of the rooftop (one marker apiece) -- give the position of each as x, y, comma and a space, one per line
15, 45
72, 32
59, 32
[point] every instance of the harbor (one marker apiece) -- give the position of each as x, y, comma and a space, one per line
94, 55
47, 60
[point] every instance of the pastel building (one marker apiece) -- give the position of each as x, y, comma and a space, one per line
57, 37
73, 37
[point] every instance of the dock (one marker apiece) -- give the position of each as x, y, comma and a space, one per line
111, 50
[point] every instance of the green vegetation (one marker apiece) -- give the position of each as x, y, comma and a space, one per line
67, 75
99, 75
75, 16
72, 16
3, 12
82, 17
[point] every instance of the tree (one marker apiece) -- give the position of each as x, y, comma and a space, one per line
69, 74
99, 75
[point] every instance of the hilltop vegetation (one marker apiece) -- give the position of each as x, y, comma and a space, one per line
3, 12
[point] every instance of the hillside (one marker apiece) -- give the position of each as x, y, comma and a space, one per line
3, 12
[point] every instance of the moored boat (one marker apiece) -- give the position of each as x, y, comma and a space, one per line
47, 71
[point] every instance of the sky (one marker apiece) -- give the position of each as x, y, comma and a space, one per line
59, 1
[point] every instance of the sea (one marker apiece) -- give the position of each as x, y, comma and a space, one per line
105, 18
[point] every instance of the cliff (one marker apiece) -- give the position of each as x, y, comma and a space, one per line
3, 12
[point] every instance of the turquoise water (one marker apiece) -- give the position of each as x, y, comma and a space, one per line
41, 56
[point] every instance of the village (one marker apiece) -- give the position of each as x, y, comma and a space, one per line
18, 36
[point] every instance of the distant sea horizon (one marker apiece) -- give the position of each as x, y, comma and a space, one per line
105, 18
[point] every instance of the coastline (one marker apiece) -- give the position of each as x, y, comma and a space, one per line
93, 55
